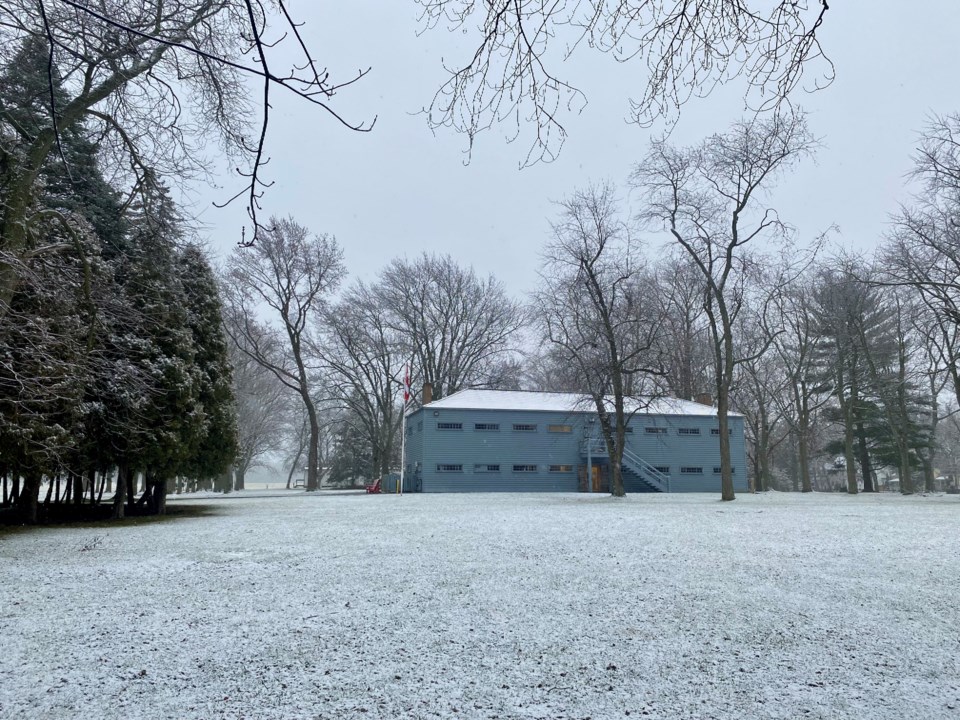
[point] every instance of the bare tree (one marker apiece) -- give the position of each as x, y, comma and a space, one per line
759, 392
705, 197
456, 326
687, 49
796, 346
287, 274
923, 251
133, 71
678, 288
592, 308
262, 402
366, 358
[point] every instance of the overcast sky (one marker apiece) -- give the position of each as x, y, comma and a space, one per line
402, 190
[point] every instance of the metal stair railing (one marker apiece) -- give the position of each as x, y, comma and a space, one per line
661, 481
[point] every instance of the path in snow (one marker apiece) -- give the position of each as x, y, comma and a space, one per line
491, 606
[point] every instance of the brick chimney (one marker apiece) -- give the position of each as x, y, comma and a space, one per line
704, 399
427, 393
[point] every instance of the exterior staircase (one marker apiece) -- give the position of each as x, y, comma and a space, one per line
638, 474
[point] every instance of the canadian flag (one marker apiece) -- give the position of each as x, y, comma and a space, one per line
406, 385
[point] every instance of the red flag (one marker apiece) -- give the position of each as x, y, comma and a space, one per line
406, 385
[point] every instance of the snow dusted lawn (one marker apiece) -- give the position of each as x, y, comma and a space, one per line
491, 606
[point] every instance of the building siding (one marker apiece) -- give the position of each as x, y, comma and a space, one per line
430, 447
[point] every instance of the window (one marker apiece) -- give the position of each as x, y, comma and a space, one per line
561, 468
448, 468
628, 429
716, 431
560, 428
524, 468
717, 470
449, 426
688, 431
490, 427
524, 427
655, 431
665, 469
484, 468
687, 470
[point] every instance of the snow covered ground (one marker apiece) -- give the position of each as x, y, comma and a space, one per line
490, 606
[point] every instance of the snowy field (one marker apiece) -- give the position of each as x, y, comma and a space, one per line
288, 605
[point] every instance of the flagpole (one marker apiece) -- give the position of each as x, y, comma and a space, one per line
403, 446
403, 428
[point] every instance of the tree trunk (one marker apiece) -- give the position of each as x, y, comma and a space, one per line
224, 481
104, 479
80, 487
313, 454
616, 479
803, 460
159, 497
848, 455
929, 478
726, 471
763, 479
906, 478
131, 482
293, 467
239, 477
29, 497
866, 467
123, 485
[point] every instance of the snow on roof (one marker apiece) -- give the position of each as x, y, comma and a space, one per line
563, 402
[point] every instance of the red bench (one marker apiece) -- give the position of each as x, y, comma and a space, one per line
373, 489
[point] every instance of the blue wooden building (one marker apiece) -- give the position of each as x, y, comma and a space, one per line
494, 440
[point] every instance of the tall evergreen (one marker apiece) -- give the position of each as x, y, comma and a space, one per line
213, 448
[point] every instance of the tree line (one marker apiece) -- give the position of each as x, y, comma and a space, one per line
127, 357
843, 366
114, 359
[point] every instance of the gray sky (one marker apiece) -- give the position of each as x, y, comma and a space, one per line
402, 190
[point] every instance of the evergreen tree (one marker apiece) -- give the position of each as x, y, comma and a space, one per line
214, 447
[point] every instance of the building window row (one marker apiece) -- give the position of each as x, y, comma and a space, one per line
495, 427
495, 468
718, 470
525, 427
690, 470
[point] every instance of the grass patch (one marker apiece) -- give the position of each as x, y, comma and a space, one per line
74, 516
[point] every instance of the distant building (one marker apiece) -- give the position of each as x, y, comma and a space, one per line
494, 440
